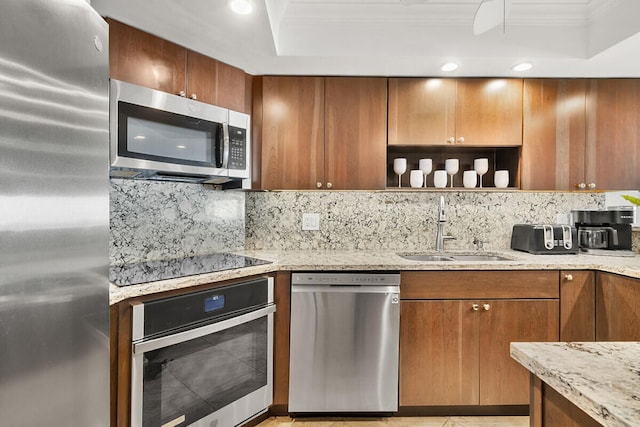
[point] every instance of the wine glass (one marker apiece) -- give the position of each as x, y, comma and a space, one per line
451, 166
481, 166
400, 167
426, 166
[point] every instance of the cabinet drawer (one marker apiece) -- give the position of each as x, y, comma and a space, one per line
479, 284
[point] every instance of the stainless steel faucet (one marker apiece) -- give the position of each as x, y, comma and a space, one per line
440, 237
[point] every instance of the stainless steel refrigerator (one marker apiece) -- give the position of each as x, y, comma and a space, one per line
54, 214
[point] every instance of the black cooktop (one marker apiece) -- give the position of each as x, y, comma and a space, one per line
151, 271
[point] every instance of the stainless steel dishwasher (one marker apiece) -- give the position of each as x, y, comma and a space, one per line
344, 342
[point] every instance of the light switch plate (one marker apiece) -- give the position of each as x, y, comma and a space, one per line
310, 221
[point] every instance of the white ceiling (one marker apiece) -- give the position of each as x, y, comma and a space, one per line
569, 38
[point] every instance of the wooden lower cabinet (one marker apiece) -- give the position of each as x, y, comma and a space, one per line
577, 306
617, 308
455, 352
503, 381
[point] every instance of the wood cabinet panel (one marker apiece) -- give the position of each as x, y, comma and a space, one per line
577, 306
617, 308
438, 353
613, 133
355, 133
479, 284
556, 410
489, 112
231, 88
421, 111
554, 131
503, 381
292, 154
282, 322
201, 78
143, 59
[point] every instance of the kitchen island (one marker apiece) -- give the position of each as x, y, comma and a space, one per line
583, 384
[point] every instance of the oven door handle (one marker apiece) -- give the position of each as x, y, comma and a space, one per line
154, 344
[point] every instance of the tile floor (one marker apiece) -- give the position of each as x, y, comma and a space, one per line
506, 421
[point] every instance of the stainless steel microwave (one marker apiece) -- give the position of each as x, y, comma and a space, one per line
160, 136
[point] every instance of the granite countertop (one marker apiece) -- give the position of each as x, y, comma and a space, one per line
601, 378
382, 260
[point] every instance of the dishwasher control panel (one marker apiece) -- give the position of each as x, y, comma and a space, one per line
345, 279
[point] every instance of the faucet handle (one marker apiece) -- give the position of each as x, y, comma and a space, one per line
479, 243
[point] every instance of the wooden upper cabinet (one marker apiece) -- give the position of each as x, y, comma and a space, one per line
323, 133
144, 59
292, 149
553, 150
355, 133
613, 134
489, 112
421, 111
462, 112
141, 58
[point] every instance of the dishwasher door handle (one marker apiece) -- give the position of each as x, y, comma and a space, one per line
359, 289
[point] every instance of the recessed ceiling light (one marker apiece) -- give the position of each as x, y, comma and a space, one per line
241, 7
524, 66
449, 66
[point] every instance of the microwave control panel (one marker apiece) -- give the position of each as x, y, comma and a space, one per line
237, 148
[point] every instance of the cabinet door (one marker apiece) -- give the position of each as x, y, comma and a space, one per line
143, 59
292, 133
202, 74
577, 306
489, 112
554, 126
421, 111
503, 381
355, 133
438, 353
617, 308
613, 134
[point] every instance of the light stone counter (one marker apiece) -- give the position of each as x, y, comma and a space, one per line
290, 260
601, 378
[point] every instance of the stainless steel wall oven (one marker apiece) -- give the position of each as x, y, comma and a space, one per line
204, 358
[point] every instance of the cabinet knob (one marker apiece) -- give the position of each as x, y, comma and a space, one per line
592, 185
194, 96
182, 93
486, 307
475, 307
568, 277
451, 140
581, 186
460, 140
319, 184
329, 185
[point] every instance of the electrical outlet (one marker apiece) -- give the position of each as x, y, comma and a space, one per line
311, 221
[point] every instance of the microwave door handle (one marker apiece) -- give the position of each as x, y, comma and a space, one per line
225, 153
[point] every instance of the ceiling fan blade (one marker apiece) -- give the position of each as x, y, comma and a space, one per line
490, 14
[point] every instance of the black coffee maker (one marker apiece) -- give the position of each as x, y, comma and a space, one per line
605, 232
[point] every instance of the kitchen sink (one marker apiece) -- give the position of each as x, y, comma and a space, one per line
452, 257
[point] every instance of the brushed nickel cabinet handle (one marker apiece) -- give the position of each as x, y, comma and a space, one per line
451, 140
568, 277
460, 140
182, 93
486, 307
194, 96
475, 307
592, 185
319, 185
329, 185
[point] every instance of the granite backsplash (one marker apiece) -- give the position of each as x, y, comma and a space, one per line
397, 220
153, 220
159, 220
